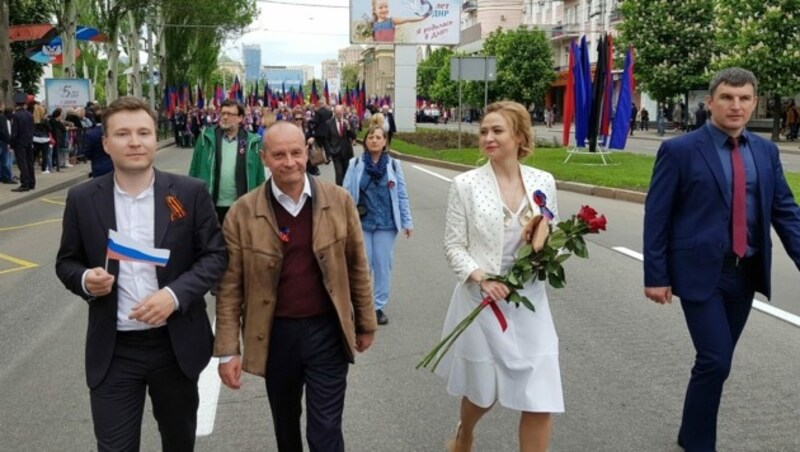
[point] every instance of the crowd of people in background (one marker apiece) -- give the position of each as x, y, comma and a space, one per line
38, 141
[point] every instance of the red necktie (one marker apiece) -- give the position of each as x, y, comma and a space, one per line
739, 229
341, 128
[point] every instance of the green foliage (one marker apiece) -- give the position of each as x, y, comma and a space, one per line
524, 66
674, 42
349, 76
762, 37
196, 33
433, 78
26, 72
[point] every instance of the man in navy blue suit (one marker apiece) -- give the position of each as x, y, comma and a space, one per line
714, 194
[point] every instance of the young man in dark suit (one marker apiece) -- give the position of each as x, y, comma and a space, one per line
714, 194
148, 327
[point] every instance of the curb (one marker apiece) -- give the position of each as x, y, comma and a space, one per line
586, 189
79, 177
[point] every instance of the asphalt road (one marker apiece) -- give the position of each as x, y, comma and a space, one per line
625, 361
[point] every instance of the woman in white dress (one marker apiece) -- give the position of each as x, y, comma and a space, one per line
487, 210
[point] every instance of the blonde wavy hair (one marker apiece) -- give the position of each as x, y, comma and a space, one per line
519, 121
39, 113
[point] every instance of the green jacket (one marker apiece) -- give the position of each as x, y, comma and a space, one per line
206, 158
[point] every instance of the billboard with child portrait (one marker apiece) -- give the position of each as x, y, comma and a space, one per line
435, 22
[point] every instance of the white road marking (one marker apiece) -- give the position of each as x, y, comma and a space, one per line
766, 308
447, 179
208, 386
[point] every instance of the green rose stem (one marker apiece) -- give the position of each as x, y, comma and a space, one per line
448, 341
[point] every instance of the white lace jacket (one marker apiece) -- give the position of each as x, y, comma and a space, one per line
473, 235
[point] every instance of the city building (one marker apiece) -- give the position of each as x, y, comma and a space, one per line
282, 77
350, 55
377, 70
308, 71
251, 53
235, 68
330, 69
481, 17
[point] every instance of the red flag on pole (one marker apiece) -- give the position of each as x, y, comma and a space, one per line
569, 96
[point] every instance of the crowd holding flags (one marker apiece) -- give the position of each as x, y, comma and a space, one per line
590, 103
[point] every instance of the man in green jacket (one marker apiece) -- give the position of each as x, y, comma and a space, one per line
227, 158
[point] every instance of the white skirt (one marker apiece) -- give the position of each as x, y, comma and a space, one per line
518, 368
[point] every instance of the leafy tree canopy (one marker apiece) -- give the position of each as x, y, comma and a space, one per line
674, 42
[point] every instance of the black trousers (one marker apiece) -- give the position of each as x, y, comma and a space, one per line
340, 161
307, 352
144, 361
24, 158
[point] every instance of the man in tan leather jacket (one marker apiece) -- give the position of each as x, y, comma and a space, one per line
298, 289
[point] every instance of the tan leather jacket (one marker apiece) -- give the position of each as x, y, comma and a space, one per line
247, 290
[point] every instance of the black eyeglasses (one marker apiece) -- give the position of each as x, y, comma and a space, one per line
298, 119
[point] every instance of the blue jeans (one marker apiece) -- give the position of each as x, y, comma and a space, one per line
5, 163
380, 254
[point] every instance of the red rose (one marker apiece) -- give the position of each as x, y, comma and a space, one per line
596, 224
587, 214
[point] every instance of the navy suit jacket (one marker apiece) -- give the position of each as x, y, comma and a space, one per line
687, 225
198, 258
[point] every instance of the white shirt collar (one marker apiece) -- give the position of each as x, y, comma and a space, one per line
147, 192
287, 202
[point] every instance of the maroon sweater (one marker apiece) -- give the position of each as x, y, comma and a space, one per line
301, 292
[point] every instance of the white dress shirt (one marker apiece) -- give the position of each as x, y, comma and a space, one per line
135, 281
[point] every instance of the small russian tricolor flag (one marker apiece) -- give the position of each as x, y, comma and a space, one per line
125, 248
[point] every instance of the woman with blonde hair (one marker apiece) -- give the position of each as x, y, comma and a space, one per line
41, 138
488, 209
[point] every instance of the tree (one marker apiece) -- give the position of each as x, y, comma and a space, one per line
674, 43
428, 69
196, 30
26, 72
762, 37
350, 75
524, 65
6, 61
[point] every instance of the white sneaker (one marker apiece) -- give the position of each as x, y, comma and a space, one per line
68, 165
46, 172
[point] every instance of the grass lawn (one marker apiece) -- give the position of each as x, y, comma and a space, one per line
626, 170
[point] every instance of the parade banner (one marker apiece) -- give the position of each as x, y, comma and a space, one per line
66, 93
435, 22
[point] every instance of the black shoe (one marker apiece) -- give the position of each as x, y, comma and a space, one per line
382, 319
8, 181
20, 189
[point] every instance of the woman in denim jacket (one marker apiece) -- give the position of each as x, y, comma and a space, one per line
376, 183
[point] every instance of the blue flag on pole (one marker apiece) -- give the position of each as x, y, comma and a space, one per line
622, 119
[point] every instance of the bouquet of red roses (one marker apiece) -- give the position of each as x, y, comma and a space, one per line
541, 258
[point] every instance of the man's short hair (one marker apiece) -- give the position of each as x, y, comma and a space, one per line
233, 103
733, 76
127, 103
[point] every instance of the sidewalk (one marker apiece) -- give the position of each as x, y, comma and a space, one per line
53, 182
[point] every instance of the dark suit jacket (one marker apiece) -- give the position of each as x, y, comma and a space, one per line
21, 129
687, 228
198, 258
92, 149
321, 118
5, 135
340, 145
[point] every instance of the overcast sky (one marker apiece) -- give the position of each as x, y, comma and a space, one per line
294, 32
